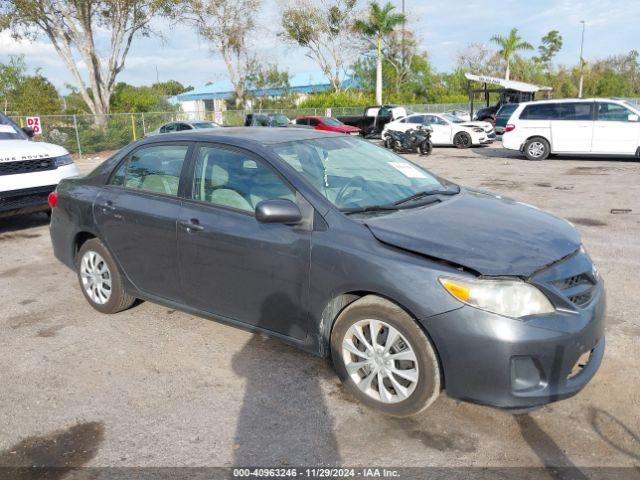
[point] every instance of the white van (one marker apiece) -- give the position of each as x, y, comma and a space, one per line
598, 126
29, 171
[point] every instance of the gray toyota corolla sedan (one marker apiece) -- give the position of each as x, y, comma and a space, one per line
409, 282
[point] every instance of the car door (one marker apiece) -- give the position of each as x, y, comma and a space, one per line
572, 127
231, 265
441, 134
616, 130
136, 216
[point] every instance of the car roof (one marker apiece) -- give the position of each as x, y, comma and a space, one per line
260, 135
572, 100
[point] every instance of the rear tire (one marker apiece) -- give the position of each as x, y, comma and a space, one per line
100, 279
462, 140
536, 148
399, 355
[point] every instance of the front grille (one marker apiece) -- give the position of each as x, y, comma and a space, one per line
27, 197
27, 166
579, 288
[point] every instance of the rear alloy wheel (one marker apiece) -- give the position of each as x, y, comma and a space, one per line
536, 149
383, 357
100, 279
462, 140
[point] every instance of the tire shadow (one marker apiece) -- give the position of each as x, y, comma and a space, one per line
615, 433
284, 420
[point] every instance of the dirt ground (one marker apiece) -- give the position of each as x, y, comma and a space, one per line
153, 386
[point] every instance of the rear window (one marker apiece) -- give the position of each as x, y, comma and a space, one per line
558, 111
507, 110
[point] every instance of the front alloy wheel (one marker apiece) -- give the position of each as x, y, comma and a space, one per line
384, 358
462, 140
380, 361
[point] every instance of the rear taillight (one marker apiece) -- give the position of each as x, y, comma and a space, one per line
52, 199
509, 127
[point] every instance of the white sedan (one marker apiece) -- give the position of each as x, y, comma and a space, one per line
447, 129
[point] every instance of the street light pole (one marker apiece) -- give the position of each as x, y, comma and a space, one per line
581, 61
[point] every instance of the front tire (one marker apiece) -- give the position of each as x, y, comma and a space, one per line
536, 148
426, 147
384, 358
462, 140
100, 279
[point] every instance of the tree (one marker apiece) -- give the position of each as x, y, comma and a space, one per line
509, 45
267, 80
23, 93
381, 22
11, 76
228, 26
73, 26
549, 48
323, 28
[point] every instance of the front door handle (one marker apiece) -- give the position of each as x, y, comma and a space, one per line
192, 225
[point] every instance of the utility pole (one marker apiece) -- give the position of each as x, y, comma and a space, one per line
581, 61
157, 76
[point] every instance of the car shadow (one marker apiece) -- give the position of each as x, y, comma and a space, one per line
284, 420
556, 462
23, 222
615, 433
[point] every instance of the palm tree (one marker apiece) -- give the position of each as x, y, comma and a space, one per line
509, 46
380, 22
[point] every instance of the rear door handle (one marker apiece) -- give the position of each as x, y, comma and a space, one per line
192, 225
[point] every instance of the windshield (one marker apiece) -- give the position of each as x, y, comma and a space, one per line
354, 174
9, 130
204, 125
452, 118
331, 122
280, 119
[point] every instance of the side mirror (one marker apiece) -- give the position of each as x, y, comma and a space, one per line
633, 118
278, 211
29, 131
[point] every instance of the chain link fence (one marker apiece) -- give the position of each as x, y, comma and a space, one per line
86, 134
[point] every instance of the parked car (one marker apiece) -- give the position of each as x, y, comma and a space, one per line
447, 129
488, 113
598, 126
502, 117
172, 127
373, 119
29, 171
409, 282
328, 124
266, 120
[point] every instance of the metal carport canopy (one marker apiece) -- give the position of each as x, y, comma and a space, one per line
507, 84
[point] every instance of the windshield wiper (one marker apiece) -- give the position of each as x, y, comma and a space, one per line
427, 193
370, 208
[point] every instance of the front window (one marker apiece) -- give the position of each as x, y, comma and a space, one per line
355, 175
9, 130
612, 112
200, 125
452, 118
331, 122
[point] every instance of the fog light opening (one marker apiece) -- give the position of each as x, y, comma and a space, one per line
525, 375
583, 361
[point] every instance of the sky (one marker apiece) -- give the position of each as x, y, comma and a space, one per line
444, 27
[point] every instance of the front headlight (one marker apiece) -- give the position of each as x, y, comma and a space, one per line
63, 160
511, 298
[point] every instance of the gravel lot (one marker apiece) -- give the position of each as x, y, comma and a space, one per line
156, 387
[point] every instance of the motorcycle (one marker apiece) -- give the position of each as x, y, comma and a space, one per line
414, 140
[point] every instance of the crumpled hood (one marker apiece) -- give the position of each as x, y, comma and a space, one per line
15, 150
480, 231
486, 126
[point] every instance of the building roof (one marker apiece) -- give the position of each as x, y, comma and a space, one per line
301, 83
508, 84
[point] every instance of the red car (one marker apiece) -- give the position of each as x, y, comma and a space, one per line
329, 124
